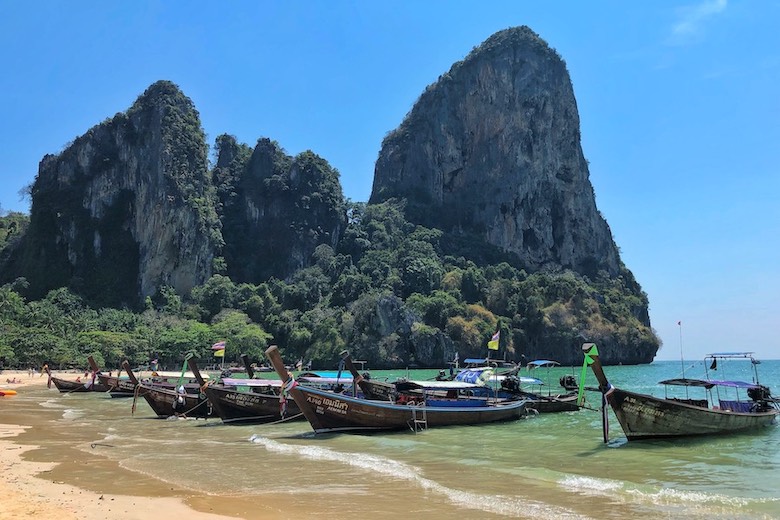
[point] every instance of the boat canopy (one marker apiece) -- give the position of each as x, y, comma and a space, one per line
688, 382
434, 385
708, 383
327, 373
542, 363
734, 384
319, 380
730, 355
161, 374
475, 361
234, 381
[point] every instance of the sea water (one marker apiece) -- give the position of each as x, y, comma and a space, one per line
546, 466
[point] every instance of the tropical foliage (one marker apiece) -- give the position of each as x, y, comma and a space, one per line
387, 292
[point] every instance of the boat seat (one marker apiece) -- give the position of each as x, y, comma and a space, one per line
736, 406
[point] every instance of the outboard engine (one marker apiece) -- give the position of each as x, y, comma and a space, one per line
568, 382
761, 397
511, 384
759, 393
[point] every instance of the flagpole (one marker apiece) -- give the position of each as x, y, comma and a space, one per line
682, 359
219, 351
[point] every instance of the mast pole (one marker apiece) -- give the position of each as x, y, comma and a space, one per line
682, 359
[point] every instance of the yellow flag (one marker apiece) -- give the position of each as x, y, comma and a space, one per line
493, 343
219, 353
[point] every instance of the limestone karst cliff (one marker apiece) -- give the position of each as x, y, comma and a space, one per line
276, 208
488, 161
490, 153
125, 208
493, 148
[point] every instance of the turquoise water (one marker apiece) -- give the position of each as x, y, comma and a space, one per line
550, 466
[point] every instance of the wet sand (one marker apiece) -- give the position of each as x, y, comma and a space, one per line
33, 488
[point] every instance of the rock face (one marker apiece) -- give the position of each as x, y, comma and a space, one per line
125, 208
493, 149
280, 208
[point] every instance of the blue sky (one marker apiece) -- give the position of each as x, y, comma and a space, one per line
678, 101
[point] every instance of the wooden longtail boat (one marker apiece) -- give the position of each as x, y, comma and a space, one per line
259, 404
647, 417
540, 401
167, 402
509, 385
331, 412
117, 386
161, 379
371, 388
90, 383
550, 403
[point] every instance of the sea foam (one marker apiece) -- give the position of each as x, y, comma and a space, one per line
497, 504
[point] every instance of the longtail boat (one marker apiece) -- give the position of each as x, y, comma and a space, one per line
259, 403
332, 412
371, 388
156, 378
90, 383
510, 384
539, 400
166, 402
644, 416
117, 386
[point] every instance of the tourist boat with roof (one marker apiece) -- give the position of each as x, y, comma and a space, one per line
540, 400
126, 386
332, 412
723, 410
246, 400
167, 402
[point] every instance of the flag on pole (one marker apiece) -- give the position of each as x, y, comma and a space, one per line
218, 346
493, 343
219, 353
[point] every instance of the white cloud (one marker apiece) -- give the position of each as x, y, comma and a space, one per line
691, 19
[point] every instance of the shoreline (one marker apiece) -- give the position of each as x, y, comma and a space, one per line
28, 490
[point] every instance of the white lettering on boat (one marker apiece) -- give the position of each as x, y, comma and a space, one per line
324, 405
631, 405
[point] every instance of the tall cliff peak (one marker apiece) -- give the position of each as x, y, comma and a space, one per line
492, 150
126, 207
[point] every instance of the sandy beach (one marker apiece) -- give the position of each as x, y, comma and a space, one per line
26, 492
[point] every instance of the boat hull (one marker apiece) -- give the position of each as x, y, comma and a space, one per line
117, 387
67, 386
239, 407
553, 403
330, 412
122, 388
166, 403
646, 417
